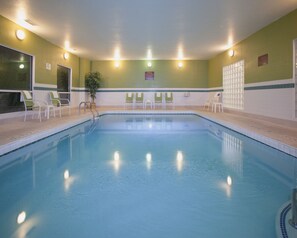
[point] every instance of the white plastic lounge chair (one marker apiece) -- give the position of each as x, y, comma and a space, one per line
217, 102
58, 102
209, 101
31, 105
129, 99
158, 99
169, 99
139, 99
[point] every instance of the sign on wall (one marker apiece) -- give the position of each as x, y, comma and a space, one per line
149, 75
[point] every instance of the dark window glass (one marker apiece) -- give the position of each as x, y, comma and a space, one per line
15, 75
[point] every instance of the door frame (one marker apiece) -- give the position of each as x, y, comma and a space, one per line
294, 77
69, 79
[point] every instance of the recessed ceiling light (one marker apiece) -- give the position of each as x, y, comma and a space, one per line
30, 22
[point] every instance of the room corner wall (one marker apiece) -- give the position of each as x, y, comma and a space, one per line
269, 89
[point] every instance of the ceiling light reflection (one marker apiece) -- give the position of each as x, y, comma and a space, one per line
21, 217
226, 186
229, 181
148, 160
116, 156
148, 157
179, 161
116, 163
66, 174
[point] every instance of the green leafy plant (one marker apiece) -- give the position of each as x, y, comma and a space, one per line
92, 83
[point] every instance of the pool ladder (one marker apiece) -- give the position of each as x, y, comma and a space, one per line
87, 104
293, 221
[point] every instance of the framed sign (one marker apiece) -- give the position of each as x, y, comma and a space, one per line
262, 60
149, 75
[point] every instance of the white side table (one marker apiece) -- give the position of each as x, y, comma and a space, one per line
48, 109
220, 107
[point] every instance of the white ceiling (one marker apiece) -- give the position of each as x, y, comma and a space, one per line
95, 28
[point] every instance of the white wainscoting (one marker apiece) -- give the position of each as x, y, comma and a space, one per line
271, 102
181, 98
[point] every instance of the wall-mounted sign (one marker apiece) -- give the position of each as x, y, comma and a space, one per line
262, 60
149, 75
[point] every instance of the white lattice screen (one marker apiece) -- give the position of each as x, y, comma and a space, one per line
233, 85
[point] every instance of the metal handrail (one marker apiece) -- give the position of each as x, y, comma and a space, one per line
86, 103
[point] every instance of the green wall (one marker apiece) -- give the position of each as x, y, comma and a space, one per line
44, 52
84, 68
275, 39
131, 74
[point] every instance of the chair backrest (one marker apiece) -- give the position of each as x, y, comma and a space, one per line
139, 97
169, 97
211, 96
158, 97
28, 99
217, 97
55, 99
129, 97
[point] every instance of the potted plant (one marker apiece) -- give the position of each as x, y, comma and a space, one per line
92, 83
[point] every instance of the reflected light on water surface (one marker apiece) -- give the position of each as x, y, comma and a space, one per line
26, 228
68, 180
179, 161
21, 217
116, 163
148, 160
66, 174
226, 186
229, 181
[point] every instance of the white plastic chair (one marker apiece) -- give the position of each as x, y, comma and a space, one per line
58, 103
217, 102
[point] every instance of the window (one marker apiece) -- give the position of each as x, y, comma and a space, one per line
233, 85
15, 75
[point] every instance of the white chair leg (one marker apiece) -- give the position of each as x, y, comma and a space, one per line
39, 114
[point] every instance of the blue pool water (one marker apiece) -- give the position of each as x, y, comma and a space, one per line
166, 176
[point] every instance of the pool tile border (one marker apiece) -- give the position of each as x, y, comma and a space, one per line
283, 228
21, 142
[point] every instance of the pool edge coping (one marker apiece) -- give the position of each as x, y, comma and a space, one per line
21, 142
27, 140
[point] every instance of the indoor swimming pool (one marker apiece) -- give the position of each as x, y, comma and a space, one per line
144, 176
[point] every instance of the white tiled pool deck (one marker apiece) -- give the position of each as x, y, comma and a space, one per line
280, 134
